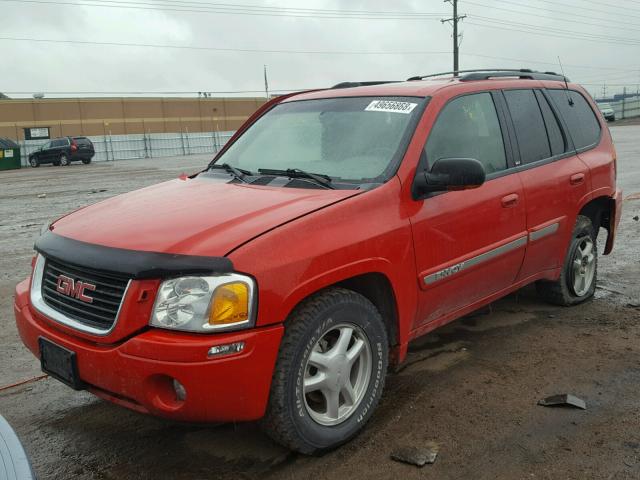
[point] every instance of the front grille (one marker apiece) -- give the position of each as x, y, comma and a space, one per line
107, 296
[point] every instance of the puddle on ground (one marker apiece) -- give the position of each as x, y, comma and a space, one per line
233, 443
437, 362
497, 319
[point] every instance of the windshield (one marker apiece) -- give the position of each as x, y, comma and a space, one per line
353, 139
604, 106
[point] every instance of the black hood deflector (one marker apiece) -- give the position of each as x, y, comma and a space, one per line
134, 264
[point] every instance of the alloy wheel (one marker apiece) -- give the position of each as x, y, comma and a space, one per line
337, 374
583, 267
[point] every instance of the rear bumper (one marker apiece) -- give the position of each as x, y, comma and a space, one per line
138, 373
614, 220
88, 155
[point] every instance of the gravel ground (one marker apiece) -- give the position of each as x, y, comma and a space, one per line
471, 388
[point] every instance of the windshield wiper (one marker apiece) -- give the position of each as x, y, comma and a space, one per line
320, 179
238, 173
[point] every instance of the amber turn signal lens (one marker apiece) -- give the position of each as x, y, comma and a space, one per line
230, 304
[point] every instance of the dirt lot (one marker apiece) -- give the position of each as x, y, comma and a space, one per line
471, 387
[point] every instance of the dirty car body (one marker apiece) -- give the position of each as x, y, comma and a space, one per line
335, 227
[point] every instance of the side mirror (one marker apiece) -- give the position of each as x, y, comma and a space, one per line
450, 174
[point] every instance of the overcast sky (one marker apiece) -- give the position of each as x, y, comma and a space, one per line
489, 29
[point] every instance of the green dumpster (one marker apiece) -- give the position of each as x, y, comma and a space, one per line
9, 154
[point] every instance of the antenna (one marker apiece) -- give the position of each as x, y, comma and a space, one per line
566, 85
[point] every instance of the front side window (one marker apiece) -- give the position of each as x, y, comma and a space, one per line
581, 121
354, 139
468, 127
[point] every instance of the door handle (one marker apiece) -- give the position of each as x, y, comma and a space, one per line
510, 200
576, 179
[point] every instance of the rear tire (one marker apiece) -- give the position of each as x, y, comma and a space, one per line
86, 161
330, 372
577, 282
64, 160
34, 162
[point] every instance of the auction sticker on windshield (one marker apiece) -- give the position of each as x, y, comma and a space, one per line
390, 106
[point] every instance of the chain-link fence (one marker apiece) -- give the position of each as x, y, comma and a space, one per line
150, 145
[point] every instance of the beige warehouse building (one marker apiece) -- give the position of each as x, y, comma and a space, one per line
122, 116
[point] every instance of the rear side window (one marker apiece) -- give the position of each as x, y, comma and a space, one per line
82, 141
554, 132
529, 124
468, 127
581, 121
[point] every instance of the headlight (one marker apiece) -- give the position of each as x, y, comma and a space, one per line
205, 304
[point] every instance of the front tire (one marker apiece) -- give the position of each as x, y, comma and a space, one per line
330, 372
577, 282
64, 160
34, 162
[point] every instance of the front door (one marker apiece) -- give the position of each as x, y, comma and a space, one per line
468, 244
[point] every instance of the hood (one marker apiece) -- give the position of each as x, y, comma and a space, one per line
199, 216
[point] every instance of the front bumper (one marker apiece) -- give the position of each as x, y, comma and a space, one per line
138, 372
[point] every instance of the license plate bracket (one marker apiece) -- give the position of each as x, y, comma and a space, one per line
60, 363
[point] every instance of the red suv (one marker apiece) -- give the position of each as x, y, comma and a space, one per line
335, 227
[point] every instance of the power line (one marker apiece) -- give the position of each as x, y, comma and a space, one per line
568, 13
245, 7
552, 29
511, 59
227, 11
571, 6
611, 5
236, 50
558, 33
218, 49
557, 17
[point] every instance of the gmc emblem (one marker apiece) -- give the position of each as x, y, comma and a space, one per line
74, 288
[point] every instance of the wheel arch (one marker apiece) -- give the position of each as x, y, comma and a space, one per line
377, 287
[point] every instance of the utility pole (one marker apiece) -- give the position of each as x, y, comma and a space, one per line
604, 90
456, 36
266, 83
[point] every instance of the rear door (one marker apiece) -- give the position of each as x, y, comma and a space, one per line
586, 130
468, 244
555, 180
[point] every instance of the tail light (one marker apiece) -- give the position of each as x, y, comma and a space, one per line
74, 146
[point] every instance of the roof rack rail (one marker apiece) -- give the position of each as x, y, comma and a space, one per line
486, 73
361, 84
